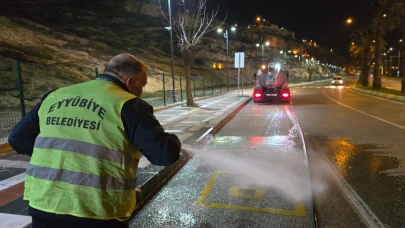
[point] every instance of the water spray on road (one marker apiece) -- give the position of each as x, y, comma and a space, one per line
287, 174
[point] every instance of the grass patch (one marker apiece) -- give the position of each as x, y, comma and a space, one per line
382, 90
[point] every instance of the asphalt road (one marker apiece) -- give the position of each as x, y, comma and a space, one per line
253, 172
360, 139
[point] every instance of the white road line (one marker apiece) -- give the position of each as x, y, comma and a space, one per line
197, 127
190, 122
143, 162
12, 181
14, 221
208, 119
173, 131
363, 211
375, 117
171, 119
13, 164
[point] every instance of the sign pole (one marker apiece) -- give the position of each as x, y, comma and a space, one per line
238, 74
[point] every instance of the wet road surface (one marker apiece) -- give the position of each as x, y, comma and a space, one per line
251, 174
253, 171
363, 138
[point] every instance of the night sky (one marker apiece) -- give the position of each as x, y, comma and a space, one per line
322, 21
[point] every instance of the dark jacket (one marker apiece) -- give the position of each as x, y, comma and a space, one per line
141, 127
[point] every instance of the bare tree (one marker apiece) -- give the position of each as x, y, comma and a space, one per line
191, 22
310, 66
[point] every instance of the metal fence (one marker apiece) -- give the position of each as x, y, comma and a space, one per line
22, 86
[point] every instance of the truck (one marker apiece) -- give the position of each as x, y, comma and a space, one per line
271, 85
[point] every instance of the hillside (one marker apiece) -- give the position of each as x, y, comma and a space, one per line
63, 41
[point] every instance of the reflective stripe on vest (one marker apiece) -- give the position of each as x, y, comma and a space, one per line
83, 179
89, 149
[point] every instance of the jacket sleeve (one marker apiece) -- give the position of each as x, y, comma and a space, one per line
22, 136
147, 135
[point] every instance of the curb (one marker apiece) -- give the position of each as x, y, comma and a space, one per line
225, 120
146, 191
379, 94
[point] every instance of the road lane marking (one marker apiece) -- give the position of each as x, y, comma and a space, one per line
9, 182
202, 201
364, 212
259, 192
14, 221
367, 216
13, 164
375, 117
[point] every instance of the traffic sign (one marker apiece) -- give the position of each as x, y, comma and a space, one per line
239, 59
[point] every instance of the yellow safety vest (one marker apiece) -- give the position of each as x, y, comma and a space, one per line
83, 162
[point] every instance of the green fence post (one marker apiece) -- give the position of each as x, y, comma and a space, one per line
20, 88
203, 87
164, 91
194, 85
220, 84
181, 90
212, 85
96, 71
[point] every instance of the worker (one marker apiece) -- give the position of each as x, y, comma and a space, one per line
85, 142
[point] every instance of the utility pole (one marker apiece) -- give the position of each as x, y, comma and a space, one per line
227, 62
171, 49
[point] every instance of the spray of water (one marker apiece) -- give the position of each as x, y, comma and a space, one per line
287, 174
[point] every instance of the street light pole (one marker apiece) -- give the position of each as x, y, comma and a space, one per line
399, 58
171, 49
227, 62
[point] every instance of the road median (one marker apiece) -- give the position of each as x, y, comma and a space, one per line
380, 94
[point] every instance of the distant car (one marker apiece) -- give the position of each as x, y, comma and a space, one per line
337, 80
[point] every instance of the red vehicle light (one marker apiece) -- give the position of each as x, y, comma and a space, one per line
285, 95
257, 95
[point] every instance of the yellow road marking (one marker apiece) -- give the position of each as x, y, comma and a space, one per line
259, 192
202, 201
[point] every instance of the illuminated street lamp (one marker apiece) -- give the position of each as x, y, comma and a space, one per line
257, 45
349, 21
267, 43
399, 58
227, 62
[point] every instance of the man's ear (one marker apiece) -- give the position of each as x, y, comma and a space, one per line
128, 81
